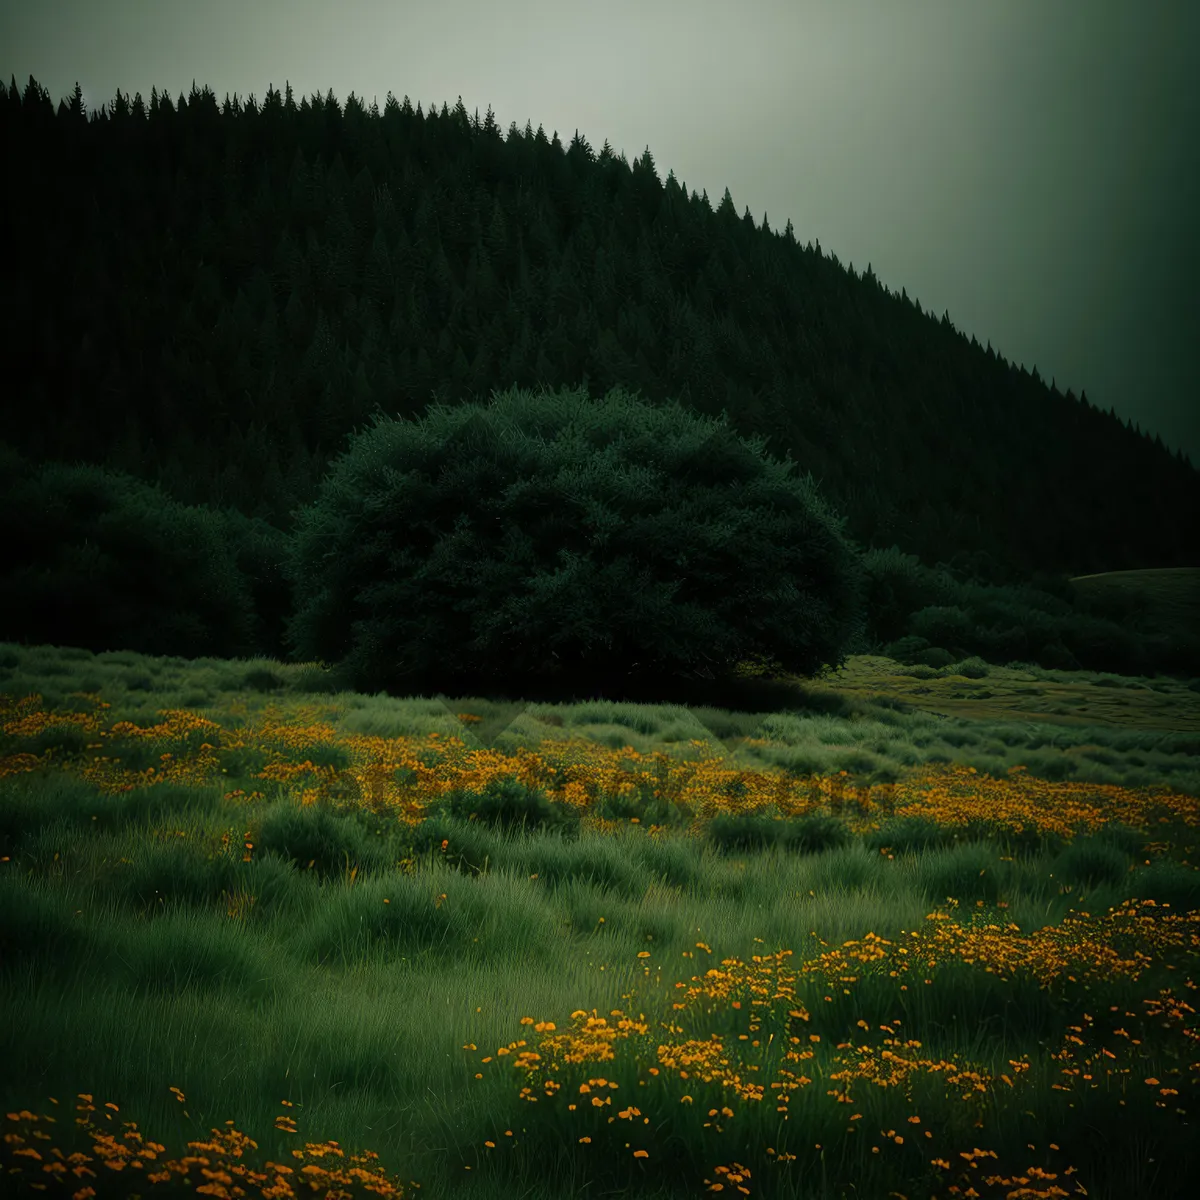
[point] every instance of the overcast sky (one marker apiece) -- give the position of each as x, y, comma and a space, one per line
1029, 165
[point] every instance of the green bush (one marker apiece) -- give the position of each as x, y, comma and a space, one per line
260, 552
602, 862
663, 810
1100, 645
733, 832
943, 625
973, 668
97, 559
906, 649
1056, 584
935, 617
271, 880
560, 539
319, 679
1056, 657
898, 585
936, 657
814, 834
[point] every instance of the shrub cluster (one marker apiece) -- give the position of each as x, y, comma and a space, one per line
556, 539
550, 546
96, 560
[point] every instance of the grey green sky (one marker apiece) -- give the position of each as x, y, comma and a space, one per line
1029, 165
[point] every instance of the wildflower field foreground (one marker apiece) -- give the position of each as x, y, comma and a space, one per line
258, 938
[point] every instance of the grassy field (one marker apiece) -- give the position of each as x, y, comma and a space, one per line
849, 947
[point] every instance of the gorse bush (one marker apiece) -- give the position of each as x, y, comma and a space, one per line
554, 538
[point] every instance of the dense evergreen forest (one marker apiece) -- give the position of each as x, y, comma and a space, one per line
212, 297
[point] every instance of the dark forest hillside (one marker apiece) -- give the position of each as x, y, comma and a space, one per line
213, 297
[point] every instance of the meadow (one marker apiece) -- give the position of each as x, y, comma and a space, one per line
263, 937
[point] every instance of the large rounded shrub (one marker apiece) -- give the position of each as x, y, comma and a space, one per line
555, 537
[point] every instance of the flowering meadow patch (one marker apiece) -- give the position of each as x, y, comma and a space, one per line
577, 967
